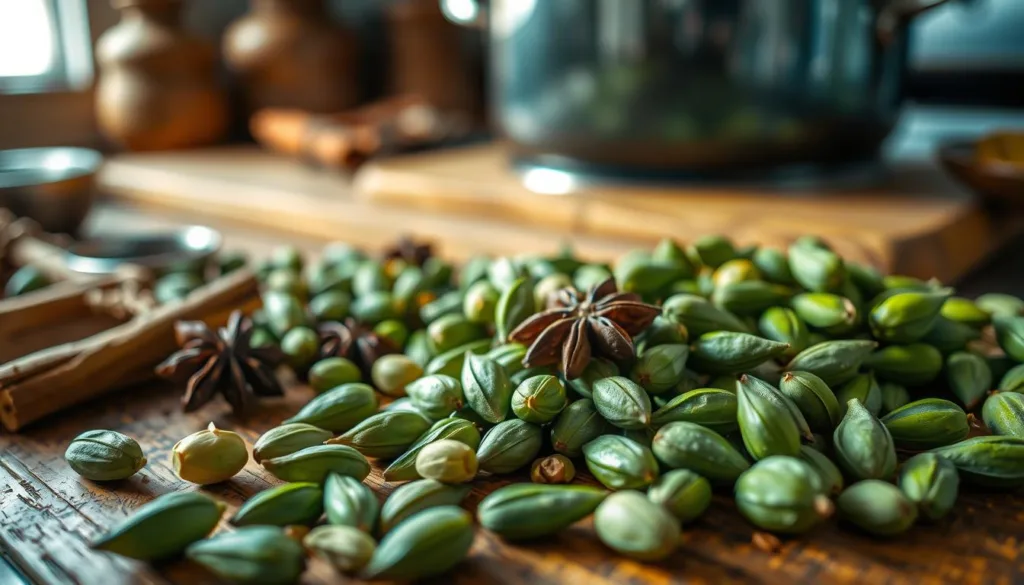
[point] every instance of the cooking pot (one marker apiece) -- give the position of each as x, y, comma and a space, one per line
694, 85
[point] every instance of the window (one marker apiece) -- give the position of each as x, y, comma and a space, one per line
44, 45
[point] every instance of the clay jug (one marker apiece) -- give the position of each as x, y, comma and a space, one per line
288, 53
157, 86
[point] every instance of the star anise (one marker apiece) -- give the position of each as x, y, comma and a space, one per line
412, 252
222, 361
357, 342
576, 326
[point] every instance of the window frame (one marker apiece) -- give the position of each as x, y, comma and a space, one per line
72, 66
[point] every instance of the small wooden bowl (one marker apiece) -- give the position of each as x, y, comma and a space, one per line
993, 181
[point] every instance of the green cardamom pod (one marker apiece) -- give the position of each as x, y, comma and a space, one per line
1010, 335
255, 555
480, 302
436, 396
426, 544
670, 252
682, 492
576, 426
770, 423
1000, 305
300, 347
388, 433
539, 399
826, 312
452, 331
782, 494
661, 367
374, 307
417, 347
597, 369
773, 265
416, 496
893, 396
863, 387
1013, 379
392, 373
686, 445
636, 272
1003, 413
510, 356
450, 363
969, 378
514, 306
710, 407
950, 336
965, 311
447, 304
620, 463
725, 352
877, 507
313, 464
340, 409
906, 317
816, 401
784, 326
699, 315
104, 455
474, 270
447, 461
661, 331
409, 283
622, 402
509, 446
864, 449
750, 297
333, 372
711, 251
524, 511
504, 271
487, 388
404, 467
552, 469
735, 270
834, 362
370, 277
989, 461
831, 477
209, 456
815, 267
867, 280
348, 502
291, 503
926, 424
931, 482
164, 527
636, 527
346, 549
912, 365
283, 311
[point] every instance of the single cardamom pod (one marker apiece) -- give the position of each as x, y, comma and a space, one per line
682, 492
524, 511
418, 348
835, 362
346, 549
950, 336
210, 456
622, 402
300, 347
340, 409
164, 527
313, 464
965, 311
709, 407
735, 270
487, 388
515, 304
388, 433
926, 424
784, 326
1010, 335
508, 446
725, 352
989, 461
452, 331
333, 372
969, 378
863, 387
436, 396
773, 265
931, 482
782, 494
711, 251
814, 398
906, 317
552, 469
826, 312
1003, 413
750, 298
864, 449
504, 271
539, 399
815, 267
447, 461
831, 477
416, 496
348, 502
670, 252
392, 373
637, 272
661, 331
409, 284
404, 467
597, 369
447, 304
877, 507
998, 304
770, 423
451, 363
661, 367
510, 356
426, 544
255, 555
283, 311
104, 455
291, 503
577, 425
1013, 379
685, 445
480, 302
893, 396
636, 527
867, 280
912, 365
699, 315
620, 463
371, 276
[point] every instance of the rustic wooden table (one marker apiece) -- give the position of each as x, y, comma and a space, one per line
48, 514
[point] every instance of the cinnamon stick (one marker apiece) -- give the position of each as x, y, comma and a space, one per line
58, 377
58, 302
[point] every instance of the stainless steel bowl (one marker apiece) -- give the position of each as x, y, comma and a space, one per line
187, 248
53, 185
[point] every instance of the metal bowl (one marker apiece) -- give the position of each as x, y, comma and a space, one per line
185, 249
54, 185
993, 182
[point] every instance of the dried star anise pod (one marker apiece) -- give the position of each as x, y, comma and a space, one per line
222, 361
576, 326
412, 252
354, 341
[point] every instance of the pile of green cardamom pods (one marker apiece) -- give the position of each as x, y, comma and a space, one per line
800, 383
